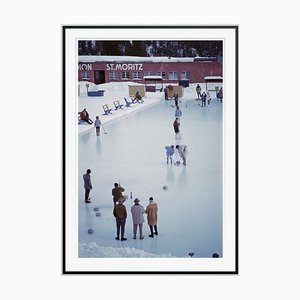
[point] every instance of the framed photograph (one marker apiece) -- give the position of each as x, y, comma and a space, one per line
150, 149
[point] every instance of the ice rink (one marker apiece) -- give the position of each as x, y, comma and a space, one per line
132, 153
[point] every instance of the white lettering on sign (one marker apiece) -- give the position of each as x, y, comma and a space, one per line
84, 67
124, 67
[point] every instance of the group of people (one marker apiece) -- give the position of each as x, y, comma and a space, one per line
182, 151
137, 211
204, 96
120, 211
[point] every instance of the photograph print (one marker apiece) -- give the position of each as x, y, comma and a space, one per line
150, 150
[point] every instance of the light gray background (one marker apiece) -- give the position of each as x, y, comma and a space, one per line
31, 149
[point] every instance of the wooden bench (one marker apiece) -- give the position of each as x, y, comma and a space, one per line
118, 105
106, 109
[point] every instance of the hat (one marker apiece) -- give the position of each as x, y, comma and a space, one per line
136, 200
121, 200
151, 199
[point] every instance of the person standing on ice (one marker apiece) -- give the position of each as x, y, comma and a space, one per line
169, 153
97, 125
203, 98
137, 212
208, 98
176, 125
87, 185
178, 113
117, 193
166, 93
220, 94
182, 151
198, 90
151, 211
176, 99
120, 214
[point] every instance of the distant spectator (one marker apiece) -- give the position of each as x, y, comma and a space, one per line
137, 211
208, 98
151, 211
97, 124
198, 90
203, 99
138, 97
220, 95
84, 116
175, 97
166, 93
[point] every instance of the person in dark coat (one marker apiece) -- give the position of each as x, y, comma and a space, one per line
220, 94
203, 98
175, 97
87, 185
176, 125
117, 193
84, 116
120, 214
166, 93
198, 90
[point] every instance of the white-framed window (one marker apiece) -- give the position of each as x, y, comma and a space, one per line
85, 75
162, 74
113, 75
148, 73
185, 75
173, 75
125, 75
137, 75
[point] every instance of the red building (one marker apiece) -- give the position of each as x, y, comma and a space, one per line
102, 69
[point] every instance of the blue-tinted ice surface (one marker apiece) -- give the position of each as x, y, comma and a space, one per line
132, 152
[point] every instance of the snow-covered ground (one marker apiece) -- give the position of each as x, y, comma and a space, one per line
132, 152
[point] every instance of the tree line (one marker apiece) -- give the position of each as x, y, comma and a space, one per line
152, 48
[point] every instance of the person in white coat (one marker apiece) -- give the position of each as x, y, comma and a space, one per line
182, 151
137, 212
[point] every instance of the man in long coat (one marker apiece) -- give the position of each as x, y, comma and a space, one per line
151, 212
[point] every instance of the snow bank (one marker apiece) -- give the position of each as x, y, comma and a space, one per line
94, 250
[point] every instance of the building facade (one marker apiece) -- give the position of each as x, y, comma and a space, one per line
102, 69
